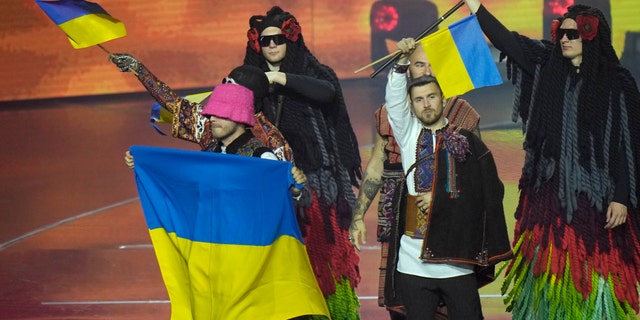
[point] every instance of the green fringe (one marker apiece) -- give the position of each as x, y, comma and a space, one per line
554, 297
344, 304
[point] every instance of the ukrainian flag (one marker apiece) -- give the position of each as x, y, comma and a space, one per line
85, 23
460, 58
226, 236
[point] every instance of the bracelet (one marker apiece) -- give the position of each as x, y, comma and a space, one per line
400, 68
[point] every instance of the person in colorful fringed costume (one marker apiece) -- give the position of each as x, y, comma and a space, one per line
307, 106
576, 236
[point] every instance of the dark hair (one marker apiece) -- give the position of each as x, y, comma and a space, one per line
254, 79
274, 18
422, 81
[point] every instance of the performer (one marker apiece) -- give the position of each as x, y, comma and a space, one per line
307, 105
451, 222
384, 172
576, 236
188, 124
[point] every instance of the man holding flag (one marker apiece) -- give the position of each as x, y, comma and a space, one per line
384, 172
224, 231
451, 221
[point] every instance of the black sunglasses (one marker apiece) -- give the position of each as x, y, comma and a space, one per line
572, 34
278, 39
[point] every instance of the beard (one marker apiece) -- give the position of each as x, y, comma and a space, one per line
430, 116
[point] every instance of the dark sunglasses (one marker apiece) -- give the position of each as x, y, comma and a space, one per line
572, 34
278, 39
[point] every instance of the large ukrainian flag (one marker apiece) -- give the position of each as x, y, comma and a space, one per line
460, 58
225, 235
85, 23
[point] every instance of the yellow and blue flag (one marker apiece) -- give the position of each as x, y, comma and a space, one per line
225, 235
460, 58
85, 23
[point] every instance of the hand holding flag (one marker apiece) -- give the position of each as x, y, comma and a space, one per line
85, 23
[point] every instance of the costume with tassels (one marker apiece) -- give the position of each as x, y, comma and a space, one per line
582, 149
310, 112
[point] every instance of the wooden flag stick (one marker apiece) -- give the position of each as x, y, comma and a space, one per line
379, 60
104, 49
109, 53
393, 56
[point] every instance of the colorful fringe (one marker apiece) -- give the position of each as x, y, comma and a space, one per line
571, 271
334, 260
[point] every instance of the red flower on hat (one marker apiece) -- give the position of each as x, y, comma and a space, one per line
291, 29
253, 36
587, 26
554, 30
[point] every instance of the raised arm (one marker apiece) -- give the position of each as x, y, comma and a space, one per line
187, 122
501, 37
161, 92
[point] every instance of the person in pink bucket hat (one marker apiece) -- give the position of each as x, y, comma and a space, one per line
230, 111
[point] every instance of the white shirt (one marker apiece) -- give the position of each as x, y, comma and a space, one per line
406, 129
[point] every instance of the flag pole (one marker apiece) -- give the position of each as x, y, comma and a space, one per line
104, 49
109, 53
395, 55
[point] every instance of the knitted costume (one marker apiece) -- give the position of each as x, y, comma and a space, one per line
325, 148
582, 146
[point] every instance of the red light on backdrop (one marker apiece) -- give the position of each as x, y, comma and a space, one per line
385, 18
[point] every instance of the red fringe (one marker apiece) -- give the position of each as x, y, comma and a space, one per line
589, 248
331, 260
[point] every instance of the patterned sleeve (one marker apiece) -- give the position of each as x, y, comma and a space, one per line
187, 124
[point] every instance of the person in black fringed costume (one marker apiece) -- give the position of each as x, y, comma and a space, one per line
577, 232
307, 106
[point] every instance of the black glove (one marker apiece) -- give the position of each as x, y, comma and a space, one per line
124, 61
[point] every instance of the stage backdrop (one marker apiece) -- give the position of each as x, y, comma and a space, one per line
193, 44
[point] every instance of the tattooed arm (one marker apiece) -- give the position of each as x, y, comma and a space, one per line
371, 183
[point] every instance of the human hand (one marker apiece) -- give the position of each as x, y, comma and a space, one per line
616, 215
423, 201
406, 46
128, 159
357, 232
276, 77
124, 61
300, 178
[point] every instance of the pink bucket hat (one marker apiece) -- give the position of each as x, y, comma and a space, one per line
231, 101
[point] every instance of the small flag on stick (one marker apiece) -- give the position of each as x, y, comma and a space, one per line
460, 58
85, 23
